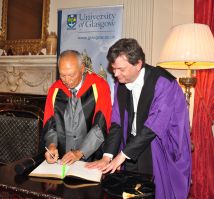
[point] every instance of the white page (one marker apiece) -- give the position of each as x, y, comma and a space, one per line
78, 169
46, 169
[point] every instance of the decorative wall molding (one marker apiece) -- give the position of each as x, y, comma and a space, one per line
27, 74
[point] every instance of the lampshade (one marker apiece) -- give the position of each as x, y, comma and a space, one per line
188, 43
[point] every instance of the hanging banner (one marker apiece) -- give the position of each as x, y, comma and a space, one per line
91, 31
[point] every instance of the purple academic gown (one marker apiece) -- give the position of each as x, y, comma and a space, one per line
171, 154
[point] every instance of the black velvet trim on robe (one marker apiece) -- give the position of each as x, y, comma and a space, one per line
88, 105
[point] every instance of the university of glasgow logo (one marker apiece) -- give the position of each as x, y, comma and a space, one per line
71, 21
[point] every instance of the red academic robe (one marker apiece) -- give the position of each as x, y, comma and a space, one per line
95, 101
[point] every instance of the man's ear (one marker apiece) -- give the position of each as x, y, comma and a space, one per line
83, 68
139, 65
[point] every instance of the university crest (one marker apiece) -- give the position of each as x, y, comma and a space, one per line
71, 21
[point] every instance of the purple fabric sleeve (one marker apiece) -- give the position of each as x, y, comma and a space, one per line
168, 118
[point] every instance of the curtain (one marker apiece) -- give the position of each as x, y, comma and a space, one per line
203, 117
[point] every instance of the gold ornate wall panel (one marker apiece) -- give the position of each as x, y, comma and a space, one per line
30, 42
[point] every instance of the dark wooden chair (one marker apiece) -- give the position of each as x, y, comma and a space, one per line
21, 118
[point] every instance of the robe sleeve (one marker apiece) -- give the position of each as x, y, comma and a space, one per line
171, 151
162, 107
49, 124
168, 116
101, 121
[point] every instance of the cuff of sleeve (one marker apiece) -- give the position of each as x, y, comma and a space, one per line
108, 155
49, 142
125, 155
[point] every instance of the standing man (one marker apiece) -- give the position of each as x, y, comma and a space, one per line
150, 123
77, 112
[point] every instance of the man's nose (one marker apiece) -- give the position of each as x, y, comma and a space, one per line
67, 79
116, 73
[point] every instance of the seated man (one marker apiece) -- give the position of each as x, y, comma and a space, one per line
77, 112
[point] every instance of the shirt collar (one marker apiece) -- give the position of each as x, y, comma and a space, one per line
138, 82
78, 86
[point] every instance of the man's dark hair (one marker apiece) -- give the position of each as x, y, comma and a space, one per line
128, 47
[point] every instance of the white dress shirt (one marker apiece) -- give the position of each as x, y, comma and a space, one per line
136, 88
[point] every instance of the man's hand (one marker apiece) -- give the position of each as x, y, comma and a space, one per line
99, 164
54, 151
114, 164
71, 156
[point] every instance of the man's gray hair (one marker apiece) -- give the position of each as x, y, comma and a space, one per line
68, 53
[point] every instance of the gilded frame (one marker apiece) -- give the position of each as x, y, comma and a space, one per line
24, 46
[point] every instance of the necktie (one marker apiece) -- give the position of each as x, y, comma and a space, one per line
74, 100
69, 117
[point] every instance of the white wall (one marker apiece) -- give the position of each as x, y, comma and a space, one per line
168, 13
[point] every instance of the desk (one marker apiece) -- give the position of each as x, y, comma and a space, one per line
24, 187
14, 186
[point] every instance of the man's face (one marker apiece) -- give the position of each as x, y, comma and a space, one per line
124, 71
70, 71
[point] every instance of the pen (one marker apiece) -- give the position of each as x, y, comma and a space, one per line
49, 152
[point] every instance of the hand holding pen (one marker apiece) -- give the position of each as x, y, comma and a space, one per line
51, 154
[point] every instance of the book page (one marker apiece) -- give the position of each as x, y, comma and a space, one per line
48, 170
78, 169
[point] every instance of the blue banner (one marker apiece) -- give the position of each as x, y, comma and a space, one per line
91, 31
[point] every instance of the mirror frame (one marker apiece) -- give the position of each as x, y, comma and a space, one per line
24, 46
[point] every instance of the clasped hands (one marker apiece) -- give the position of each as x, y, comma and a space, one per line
69, 158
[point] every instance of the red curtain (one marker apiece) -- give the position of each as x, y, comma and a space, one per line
203, 117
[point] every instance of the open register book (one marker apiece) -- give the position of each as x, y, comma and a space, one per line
77, 169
